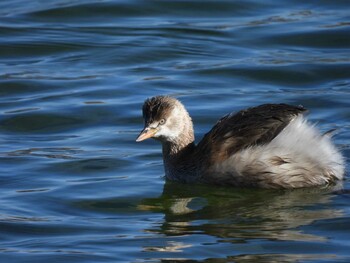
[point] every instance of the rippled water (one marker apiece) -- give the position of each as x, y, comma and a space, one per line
75, 187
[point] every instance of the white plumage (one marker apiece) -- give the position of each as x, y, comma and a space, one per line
299, 156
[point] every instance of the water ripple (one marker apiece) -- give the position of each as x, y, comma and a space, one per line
76, 187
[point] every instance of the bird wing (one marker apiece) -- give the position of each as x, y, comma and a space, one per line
237, 131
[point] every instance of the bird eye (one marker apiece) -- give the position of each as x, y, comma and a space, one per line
162, 121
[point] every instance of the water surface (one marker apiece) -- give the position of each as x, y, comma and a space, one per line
75, 187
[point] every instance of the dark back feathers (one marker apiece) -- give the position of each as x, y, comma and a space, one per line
254, 126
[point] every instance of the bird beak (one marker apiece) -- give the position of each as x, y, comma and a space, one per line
146, 133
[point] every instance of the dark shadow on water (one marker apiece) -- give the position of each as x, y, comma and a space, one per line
235, 215
225, 224
253, 218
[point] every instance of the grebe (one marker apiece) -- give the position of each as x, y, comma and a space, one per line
268, 146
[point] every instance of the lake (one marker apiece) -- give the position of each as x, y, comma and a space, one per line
76, 187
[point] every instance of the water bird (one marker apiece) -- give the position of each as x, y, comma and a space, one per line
267, 146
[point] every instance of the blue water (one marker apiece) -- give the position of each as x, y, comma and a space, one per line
76, 187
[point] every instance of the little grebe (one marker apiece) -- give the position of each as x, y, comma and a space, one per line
268, 146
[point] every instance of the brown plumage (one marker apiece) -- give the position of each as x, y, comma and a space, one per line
262, 146
250, 127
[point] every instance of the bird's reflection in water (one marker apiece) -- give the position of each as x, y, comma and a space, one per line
236, 215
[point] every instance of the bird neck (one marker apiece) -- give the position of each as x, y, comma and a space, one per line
178, 157
176, 148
